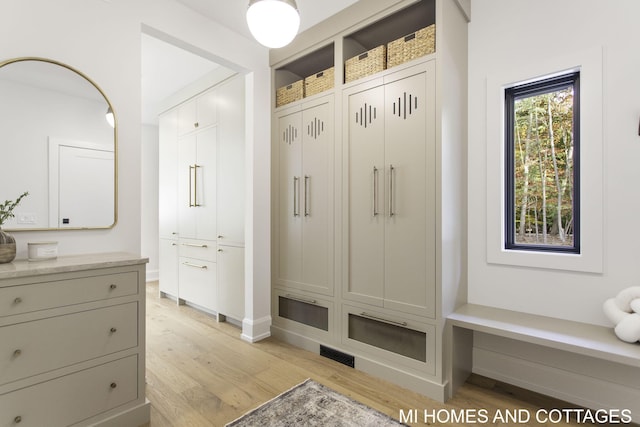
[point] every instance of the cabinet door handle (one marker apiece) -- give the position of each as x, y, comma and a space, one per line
300, 299
296, 202
188, 264
307, 211
113, 385
193, 245
196, 203
190, 187
113, 286
381, 319
17, 352
375, 191
17, 419
17, 301
391, 173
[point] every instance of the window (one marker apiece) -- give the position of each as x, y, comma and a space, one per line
542, 189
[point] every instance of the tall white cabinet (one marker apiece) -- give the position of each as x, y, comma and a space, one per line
305, 223
396, 195
202, 200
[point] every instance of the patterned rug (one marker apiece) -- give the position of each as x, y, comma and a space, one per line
312, 404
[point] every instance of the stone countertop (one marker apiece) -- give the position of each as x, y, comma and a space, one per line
68, 263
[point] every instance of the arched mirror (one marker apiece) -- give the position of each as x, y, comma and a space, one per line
57, 144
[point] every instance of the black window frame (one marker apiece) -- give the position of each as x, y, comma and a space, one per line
540, 87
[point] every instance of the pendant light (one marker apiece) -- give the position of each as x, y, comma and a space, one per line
273, 23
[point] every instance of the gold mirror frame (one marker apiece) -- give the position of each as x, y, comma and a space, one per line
115, 147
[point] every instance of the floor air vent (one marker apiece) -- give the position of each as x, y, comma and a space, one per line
338, 356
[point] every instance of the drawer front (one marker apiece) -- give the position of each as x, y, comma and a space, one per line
390, 338
198, 249
198, 282
303, 313
70, 399
39, 346
41, 296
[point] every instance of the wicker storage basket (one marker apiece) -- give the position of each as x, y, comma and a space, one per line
290, 93
319, 82
411, 46
365, 64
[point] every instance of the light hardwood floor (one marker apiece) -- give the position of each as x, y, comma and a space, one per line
200, 373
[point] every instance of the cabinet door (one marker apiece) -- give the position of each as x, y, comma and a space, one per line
186, 186
168, 261
205, 186
409, 267
187, 117
231, 150
365, 196
231, 281
289, 217
316, 199
168, 178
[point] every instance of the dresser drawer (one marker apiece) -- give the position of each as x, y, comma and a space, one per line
198, 249
40, 296
73, 398
39, 346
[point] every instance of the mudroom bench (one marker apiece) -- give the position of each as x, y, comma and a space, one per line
565, 359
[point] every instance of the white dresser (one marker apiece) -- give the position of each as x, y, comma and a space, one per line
72, 341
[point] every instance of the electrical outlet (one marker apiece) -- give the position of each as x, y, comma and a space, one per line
26, 218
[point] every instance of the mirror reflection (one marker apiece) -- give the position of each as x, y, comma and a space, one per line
57, 144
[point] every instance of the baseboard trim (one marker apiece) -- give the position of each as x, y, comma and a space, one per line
423, 386
254, 330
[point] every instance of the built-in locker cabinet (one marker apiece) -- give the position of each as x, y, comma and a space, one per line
391, 179
168, 274
305, 215
168, 179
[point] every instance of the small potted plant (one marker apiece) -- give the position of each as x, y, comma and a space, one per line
7, 242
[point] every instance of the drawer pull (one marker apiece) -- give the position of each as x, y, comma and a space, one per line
113, 330
17, 300
188, 264
305, 300
380, 319
17, 419
220, 236
219, 250
194, 245
113, 385
113, 286
17, 353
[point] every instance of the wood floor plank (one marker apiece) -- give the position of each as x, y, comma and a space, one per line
200, 373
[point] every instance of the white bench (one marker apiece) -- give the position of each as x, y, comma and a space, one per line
593, 341
589, 340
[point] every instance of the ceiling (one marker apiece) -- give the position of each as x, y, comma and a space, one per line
167, 68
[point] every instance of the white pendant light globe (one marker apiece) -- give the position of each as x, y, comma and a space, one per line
273, 23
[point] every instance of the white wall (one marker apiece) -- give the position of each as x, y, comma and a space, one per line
504, 34
149, 200
102, 40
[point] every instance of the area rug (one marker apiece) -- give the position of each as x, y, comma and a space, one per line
312, 404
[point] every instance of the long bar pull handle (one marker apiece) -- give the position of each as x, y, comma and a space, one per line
296, 202
188, 264
190, 187
193, 245
300, 299
391, 173
375, 191
307, 210
381, 319
195, 185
